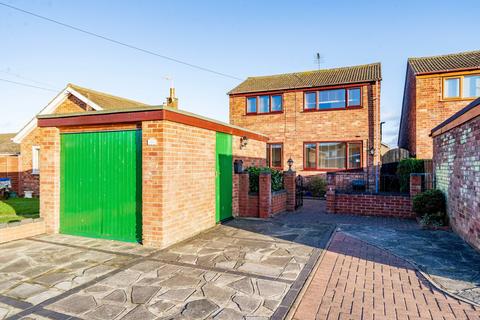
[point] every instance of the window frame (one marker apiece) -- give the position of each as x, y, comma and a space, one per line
461, 78
269, 155
345, 88
36, 152
257, 97
346, 142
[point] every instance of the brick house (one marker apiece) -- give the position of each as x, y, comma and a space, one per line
9, 152
435, 88
72, 99
324, 120
456, 158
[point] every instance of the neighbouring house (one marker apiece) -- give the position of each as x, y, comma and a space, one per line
456, 159
384, 148
324, 120
72, 99
435, 89
153, 174
9, 152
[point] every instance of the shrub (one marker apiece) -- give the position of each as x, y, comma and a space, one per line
317, 186
254, 173
430, 206
405, 168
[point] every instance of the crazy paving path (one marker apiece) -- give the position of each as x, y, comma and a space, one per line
356, 280
242, 270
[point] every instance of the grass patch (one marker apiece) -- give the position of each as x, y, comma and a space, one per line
17, 209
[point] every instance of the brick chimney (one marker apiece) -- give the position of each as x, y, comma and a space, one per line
172, 101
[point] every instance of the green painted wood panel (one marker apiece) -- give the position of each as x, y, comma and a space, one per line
224, 172
101, 185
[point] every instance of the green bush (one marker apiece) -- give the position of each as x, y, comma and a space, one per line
317, 186
430, 206
254, 173
405, 168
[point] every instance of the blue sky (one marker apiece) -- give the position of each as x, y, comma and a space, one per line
241, 38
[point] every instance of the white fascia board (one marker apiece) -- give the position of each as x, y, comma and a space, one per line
52, 106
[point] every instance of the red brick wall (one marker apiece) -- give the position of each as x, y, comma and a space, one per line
293, 127
279, 202
457, 172
9, 169
370, 204
427, 110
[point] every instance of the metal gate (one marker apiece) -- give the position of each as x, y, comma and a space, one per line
101, 185
298, 192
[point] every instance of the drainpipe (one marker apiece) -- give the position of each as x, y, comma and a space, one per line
377, 121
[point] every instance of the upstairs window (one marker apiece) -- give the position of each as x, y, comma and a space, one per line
452, 88
275, 155
333, 99
461, 87
264, 104
471, 86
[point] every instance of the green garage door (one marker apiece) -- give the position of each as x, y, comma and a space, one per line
224, 174
100, 185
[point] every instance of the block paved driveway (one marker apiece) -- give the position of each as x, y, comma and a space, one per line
242, 270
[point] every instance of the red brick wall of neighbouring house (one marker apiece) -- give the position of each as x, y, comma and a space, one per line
28, 180
424, 109
9, 169
457, 172
293, 127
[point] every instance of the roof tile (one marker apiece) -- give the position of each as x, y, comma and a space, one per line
446, 63
309, 79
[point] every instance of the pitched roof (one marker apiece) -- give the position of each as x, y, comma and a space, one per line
7, 146
107, 101
309, 79
445, 63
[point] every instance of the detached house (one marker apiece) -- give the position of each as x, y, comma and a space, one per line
72, 99
324, 120
435, 89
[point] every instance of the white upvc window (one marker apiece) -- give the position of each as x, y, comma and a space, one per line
35, 160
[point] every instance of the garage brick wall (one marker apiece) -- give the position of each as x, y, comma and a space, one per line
456, 157
178, 182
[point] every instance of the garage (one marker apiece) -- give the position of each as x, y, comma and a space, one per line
100, 187
153, 175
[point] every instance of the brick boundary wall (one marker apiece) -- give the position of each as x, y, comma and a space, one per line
265, 203
22, 229
372, 204
457, 172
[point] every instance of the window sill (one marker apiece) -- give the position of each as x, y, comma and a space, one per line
35, 172
332, 170
263, 113
457, 99
333, 109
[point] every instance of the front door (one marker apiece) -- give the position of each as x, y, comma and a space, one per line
101, 185
224, 172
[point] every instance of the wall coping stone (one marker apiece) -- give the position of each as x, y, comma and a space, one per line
18, 223
372, 193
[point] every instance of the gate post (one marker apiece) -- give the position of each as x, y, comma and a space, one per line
243, 187
289, 183
264, 194
331, 186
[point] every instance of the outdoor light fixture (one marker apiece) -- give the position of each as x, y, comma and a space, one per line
290, 163
372, 151
243, 142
